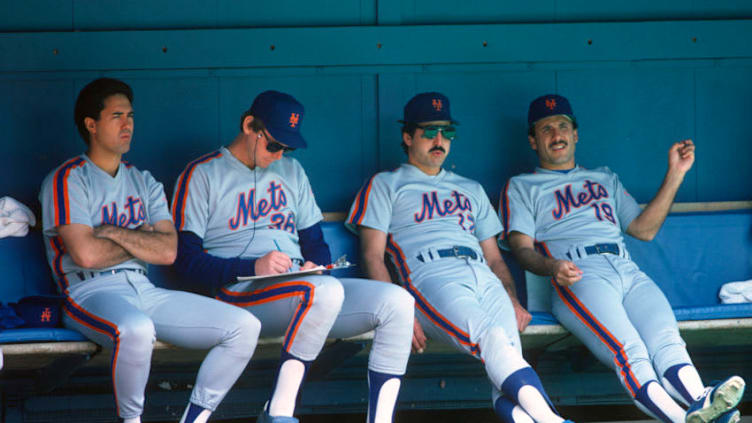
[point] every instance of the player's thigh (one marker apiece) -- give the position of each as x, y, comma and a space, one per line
494, 299
275, 302
193, 321
651, 313
366, 301
450, 309
103, 308
592, 309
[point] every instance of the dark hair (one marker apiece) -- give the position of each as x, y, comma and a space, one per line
257, 125
531, 128
408, 128
90, 101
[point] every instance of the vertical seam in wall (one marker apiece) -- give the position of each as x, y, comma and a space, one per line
556, 82
73, 15
219, 112
694, 134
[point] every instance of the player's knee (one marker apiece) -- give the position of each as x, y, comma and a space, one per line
329, 295
636, 352
249, 326
665, 338
137, 332
400, 302
496, 347
246, 333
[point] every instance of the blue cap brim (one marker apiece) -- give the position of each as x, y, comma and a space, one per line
291, 139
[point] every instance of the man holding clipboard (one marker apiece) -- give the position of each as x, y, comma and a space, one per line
247, 210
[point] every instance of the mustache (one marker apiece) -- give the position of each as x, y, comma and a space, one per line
558, 142
437, 148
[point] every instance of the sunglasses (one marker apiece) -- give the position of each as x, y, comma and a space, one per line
273, 146
430, 132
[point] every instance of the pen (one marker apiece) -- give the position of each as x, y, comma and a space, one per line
280, 250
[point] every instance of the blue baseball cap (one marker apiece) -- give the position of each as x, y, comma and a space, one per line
427, 107
282, 115
549, 105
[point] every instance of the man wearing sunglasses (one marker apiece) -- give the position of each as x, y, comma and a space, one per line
247, 210
439, 230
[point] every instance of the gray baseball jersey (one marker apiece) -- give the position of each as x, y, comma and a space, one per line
117, 306
242, 212
615, 309
434, 225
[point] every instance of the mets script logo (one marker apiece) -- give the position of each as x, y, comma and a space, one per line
566, 201
457, 204
249, 207
133, 215
437, 104
550, 103
294, 119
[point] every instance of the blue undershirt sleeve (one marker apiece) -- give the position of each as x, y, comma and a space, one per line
313, 246
204, 269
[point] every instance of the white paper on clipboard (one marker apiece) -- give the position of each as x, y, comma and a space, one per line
340, 263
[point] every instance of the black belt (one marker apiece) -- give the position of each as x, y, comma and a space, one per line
609, 248
87, 274
459, 252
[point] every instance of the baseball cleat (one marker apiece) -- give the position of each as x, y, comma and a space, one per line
264, 417
731, 416
716, 401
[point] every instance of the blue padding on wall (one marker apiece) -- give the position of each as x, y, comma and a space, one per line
695, 253
24, 268
15, 336
341, 242
543, 318
723, 311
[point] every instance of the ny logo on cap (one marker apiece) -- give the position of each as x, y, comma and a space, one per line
551, 103
46, 315
294, 119
437, 104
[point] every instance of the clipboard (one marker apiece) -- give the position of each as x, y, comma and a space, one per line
340, 263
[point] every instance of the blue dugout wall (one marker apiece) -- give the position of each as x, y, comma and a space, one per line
640, 75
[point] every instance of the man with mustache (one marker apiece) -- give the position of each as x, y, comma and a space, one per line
566, 222
104, 220
439, 231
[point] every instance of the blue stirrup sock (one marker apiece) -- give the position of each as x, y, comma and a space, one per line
525, 376
195, 414
504, 408
680, 379
290, 376
656, 401
383, 390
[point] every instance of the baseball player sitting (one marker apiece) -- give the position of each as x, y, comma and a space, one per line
104, 220
566, 222
439, 230
247, 209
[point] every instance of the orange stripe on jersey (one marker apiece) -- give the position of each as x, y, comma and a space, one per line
181, 189
60, 200
361, 203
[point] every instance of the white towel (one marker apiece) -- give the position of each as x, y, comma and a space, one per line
736, 292
15, 218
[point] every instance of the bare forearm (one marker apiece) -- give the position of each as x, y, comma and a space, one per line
150, 246
646, 225
534, 261
502, 272
101, 253
376, 269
